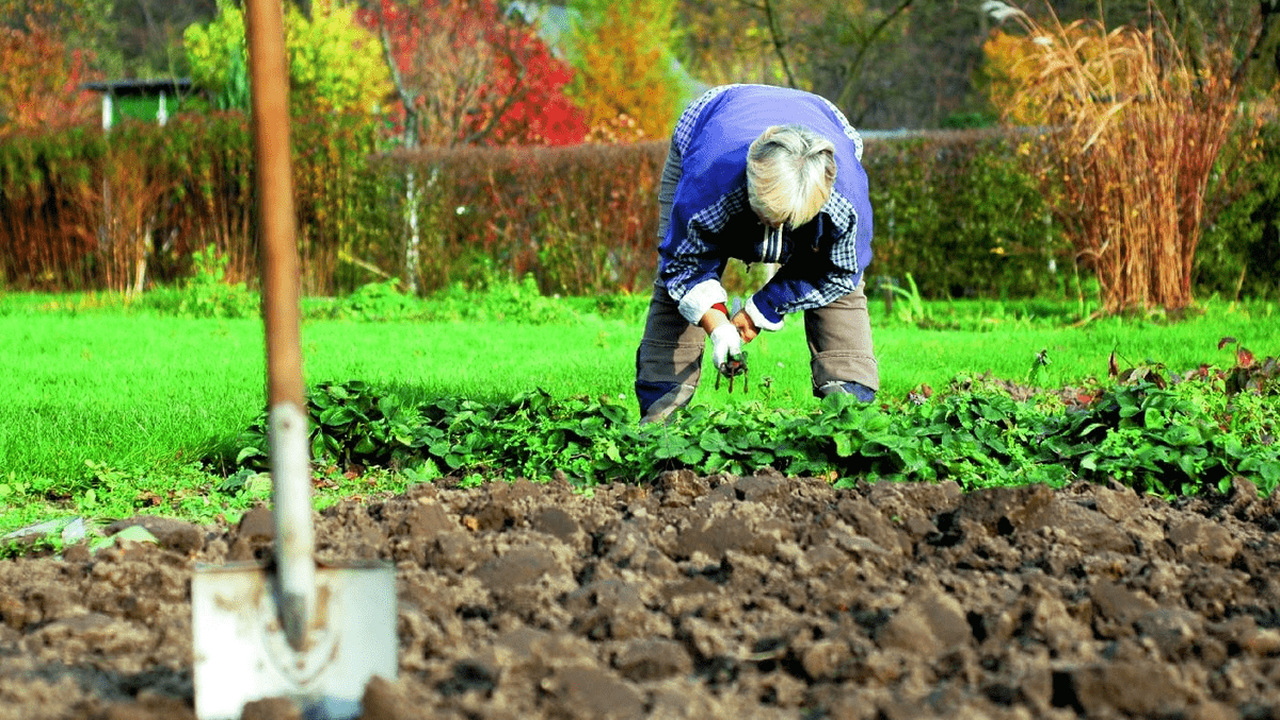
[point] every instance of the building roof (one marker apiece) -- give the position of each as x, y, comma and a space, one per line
132, 87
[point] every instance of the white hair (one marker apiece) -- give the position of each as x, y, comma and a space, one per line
790, 173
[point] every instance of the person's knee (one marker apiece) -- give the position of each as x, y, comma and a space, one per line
648, 393
843, 371
659, 399
856, 389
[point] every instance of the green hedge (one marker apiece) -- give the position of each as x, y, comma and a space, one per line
581, 220
87, 209
954, 212
1239, 255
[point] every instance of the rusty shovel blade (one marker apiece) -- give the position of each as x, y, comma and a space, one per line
242, 654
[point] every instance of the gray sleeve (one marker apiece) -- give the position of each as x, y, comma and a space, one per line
671, 172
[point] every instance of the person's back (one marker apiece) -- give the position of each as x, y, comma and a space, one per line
761, 174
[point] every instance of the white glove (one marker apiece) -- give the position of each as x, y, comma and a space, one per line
725, 341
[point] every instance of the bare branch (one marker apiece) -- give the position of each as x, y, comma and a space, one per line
779, 44
853, 73
407, 98
517, 92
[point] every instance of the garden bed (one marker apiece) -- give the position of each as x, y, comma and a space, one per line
717, 596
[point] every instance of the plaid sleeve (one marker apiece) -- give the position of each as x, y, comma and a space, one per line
694, 262
792, 289
691, 268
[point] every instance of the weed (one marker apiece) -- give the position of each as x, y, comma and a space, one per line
207, 294
912, 308
378, 301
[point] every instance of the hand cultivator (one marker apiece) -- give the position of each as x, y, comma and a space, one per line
736, 363
731, 368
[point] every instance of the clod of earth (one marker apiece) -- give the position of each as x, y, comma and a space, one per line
707, 597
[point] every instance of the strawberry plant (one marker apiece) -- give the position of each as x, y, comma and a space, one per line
1146, 431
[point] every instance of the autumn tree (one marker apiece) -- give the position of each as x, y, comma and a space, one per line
335, 64
466, 75
621, 50
80, 25
42, 72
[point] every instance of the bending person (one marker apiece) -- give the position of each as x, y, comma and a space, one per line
765, 175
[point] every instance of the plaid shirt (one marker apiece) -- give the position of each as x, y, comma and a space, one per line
712, 220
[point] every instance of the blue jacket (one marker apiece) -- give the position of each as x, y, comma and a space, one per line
712, 220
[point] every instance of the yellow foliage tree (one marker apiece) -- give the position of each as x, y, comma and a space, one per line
335, 63
1007, 65
625, 79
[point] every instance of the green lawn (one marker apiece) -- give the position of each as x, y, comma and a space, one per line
97, 393
124, 388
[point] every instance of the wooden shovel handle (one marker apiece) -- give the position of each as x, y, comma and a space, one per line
274, 175
289, 454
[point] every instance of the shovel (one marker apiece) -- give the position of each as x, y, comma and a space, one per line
290, 628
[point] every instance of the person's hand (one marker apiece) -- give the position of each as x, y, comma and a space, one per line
746, 326
725, 342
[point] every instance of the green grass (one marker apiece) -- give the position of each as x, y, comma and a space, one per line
103, 399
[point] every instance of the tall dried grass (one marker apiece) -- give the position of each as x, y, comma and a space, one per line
1133, 129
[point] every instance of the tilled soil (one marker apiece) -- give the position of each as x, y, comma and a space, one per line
717, 597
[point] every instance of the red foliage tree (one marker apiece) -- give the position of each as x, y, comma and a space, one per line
464, 75
40, 86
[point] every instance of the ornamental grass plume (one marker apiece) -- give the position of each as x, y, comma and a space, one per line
1132, 129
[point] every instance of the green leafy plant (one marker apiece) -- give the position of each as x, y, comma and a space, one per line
1143, 431
378, 301
207, 293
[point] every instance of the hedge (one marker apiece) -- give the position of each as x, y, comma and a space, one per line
85, 209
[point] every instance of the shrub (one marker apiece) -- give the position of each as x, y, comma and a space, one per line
956, 212
1240, 252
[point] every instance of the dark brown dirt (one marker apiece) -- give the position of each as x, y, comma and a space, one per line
720, 597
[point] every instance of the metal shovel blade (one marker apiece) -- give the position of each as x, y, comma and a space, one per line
242, 654
316, 635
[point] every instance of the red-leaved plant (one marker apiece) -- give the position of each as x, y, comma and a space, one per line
465, 75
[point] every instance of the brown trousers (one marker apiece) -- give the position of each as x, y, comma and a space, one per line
669, 359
